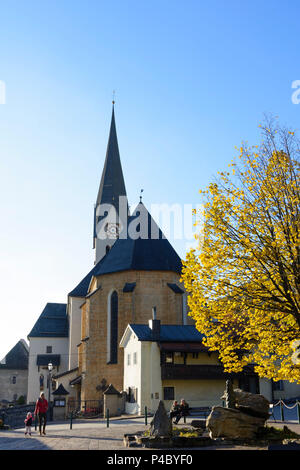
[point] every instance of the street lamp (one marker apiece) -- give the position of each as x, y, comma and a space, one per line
50, 367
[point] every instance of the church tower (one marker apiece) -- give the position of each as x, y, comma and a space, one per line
111, 208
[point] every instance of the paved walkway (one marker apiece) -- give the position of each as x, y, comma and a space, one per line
94, 435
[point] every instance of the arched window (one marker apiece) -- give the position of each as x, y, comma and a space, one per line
112, 329
107, 249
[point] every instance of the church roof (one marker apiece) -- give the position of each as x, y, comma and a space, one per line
139, 254
81, 289
17, 357
148, 250
53, 322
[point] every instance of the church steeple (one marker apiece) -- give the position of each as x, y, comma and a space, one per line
112, 187
112, 183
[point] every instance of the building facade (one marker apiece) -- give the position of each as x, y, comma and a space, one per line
49, 343
14, 373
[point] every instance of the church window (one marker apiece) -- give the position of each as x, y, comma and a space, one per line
112, 327
107, 249
13, 379
48, 349
135, 358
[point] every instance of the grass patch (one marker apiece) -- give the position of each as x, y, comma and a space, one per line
270, 432
181, 432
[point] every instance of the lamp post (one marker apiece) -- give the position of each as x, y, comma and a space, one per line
50, 367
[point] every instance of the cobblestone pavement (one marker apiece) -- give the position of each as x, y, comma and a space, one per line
93, 435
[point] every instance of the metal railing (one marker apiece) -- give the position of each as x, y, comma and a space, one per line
293, 413
14, 417
85, 409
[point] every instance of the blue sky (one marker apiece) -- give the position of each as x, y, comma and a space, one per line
192, 79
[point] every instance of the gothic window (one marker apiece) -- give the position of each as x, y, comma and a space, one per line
112, 337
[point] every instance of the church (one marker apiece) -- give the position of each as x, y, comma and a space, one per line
125, 325
136, 269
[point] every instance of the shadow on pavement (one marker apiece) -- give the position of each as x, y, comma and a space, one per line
18, 443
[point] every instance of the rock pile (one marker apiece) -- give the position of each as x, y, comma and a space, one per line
248, 414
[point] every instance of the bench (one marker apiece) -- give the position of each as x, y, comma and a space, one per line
201, 411
198, 412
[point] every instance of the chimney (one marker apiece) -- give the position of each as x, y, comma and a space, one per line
153, 313
154, 325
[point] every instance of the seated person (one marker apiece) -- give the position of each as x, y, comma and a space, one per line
183, 410
175, 409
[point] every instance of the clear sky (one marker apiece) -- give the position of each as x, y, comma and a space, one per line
192, 79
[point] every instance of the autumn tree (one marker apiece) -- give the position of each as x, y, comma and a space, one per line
244, 277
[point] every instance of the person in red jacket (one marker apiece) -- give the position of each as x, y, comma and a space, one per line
41, 408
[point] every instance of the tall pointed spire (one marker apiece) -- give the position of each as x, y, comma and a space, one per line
112, 183
112, 187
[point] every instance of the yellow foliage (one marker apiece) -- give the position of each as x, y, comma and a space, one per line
244, 281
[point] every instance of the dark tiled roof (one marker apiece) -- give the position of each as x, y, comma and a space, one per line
53, 322
129, 287
57, 376
60, 391
144, 254
111, 390
172, 333
175, 288
44, 359
75, 381
147, 253
82, 288
16, 358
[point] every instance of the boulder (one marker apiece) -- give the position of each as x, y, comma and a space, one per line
232, 424
251, 403
161, 424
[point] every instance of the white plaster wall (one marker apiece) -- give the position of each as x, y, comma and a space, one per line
38, 346
74, 330
133, 372
265, 388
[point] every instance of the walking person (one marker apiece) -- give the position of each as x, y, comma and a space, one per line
40, 411
28, 423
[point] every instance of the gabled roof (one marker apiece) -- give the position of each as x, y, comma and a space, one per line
60, 391
17, 357
144, 254
168, 333
53, 322
147, 251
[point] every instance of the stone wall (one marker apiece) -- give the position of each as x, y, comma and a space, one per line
10, 390
133, 307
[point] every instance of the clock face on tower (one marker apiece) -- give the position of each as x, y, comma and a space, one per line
112, 230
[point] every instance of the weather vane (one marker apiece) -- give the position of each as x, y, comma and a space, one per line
113, 96
141, 195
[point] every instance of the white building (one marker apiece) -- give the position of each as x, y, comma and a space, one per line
49, 343
169, 362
